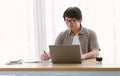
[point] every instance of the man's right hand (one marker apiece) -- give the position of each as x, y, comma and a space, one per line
45, 56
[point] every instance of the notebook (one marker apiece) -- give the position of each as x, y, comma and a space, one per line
65, 53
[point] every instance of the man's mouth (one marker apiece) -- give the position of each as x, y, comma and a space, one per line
70, 26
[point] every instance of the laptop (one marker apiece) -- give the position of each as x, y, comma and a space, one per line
65, 53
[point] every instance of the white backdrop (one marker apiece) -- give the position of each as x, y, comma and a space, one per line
100, 15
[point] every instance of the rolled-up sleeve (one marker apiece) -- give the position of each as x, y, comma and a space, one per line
94, 41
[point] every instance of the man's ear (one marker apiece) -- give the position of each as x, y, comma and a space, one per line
80, 21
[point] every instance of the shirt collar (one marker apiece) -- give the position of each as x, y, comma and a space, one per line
81, 30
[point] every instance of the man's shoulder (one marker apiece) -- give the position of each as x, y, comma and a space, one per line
61, 36
67, 31
88, 30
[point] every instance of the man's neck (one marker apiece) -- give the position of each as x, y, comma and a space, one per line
76, 32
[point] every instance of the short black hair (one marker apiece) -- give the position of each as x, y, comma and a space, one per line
73, 12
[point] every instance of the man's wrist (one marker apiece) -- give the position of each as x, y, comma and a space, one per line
83, 57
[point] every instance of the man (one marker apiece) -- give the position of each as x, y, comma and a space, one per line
76, 34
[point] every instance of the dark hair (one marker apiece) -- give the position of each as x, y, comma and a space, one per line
73, 12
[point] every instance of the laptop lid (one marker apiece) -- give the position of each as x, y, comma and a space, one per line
65, 53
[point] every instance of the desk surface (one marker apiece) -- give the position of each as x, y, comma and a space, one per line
90, 64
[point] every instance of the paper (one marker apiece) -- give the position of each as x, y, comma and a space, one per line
37, 61
11, 62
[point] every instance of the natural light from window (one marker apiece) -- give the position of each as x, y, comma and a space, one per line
28, 27
17, 39
100, 15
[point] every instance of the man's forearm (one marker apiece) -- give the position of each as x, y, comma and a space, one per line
90, 55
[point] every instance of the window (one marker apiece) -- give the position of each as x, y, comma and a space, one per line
100, 15
29, 26
17, 29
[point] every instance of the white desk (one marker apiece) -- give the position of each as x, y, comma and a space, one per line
87, 67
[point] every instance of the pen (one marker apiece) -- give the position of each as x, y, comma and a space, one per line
45, 53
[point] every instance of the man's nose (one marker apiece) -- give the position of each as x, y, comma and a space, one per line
69, 23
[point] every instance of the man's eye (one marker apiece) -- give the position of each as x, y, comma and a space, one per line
72, 21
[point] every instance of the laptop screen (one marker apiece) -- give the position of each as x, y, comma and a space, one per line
65, 53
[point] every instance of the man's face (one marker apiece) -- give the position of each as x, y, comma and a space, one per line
72, 23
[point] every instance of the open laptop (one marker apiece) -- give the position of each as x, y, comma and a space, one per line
65, 53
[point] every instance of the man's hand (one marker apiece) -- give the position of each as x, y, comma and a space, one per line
90, 55
45, 56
